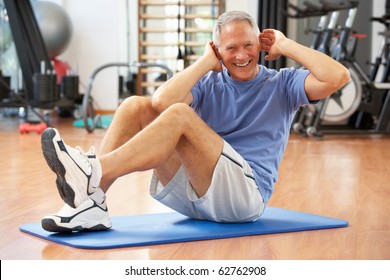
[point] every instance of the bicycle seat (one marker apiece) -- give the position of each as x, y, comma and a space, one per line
310, 10
330, 6
385, 19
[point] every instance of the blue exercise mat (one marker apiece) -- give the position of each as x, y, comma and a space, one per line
139, 230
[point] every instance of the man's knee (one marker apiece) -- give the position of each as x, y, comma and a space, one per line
140, 107
137, 102
181, 112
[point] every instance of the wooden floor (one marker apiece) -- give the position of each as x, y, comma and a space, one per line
346, 177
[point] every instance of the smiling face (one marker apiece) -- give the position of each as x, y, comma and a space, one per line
240, 50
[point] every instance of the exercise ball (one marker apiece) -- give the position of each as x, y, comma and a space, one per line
5, 31
55, 26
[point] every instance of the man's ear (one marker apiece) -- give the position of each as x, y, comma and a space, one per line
217, 53
260, 46
215, 49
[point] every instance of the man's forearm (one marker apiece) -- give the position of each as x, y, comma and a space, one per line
327, 75
178, 88
323, 67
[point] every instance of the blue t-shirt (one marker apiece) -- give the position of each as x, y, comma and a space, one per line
254, 117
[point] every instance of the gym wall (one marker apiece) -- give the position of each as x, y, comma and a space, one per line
100, 36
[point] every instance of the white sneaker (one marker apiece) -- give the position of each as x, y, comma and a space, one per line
78, 173
88, 216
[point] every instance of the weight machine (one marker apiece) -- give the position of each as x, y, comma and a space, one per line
40, 88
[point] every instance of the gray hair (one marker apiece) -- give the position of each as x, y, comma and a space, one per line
229, 17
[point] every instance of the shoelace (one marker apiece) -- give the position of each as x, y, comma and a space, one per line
84, 155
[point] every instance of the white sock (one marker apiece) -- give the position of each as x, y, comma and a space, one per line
98, 196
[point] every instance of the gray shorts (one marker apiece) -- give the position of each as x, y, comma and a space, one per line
233, 196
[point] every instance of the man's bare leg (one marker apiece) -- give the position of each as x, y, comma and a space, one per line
131, 117
152, 140
177, 133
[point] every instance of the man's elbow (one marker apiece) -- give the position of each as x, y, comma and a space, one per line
345, 77
341, 79
326, 88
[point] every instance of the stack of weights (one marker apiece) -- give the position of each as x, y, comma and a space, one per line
4, 86
45, 86
70, 87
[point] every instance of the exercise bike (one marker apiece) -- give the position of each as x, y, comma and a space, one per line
322, 41
361, 99
362, 106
